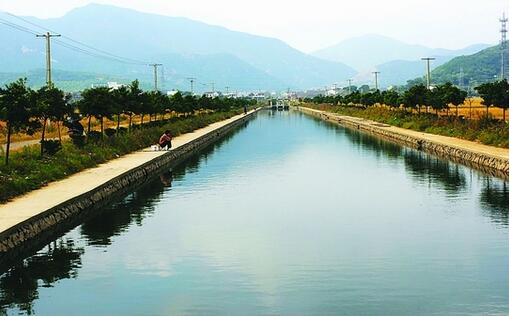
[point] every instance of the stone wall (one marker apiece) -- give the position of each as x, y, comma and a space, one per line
492, 165
31, 229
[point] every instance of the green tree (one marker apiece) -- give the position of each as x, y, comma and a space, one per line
495, 94
121, 96
391, 98
415, 97
435, 98
135, 102
99, 103
17, 104
453, 95
52, 105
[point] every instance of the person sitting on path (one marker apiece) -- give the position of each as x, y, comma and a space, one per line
165, 140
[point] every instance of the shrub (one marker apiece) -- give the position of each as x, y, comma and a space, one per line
110, 132
51, 147
94, 136
122, 130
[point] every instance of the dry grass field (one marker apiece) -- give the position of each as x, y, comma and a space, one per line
52, 131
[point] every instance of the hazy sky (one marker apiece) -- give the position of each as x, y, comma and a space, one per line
314, 24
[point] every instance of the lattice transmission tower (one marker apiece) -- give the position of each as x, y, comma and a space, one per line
503, 46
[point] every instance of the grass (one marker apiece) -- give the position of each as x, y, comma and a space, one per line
485, 130
27, 171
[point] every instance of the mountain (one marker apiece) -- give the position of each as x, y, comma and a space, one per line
477, 68
368, 51
186, 47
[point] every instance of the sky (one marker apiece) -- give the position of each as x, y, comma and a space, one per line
312, 25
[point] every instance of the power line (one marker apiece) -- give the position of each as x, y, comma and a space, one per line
133, 61
92, 54
18, 27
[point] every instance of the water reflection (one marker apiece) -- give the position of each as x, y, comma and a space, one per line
115, 220
19, 286
332, 241
139, 205
494, 199
425, 168
422, 167
61, 259
378, 146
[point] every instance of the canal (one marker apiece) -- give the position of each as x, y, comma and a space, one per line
287, 216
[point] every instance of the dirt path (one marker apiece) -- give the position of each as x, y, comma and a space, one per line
19, 145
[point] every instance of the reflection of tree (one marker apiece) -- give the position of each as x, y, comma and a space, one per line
61, 260
19, 286
375, 144
114, 220
495, 201
421, 166
192, 164
426, 167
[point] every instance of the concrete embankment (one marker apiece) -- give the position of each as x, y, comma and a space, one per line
26, 218
489, 159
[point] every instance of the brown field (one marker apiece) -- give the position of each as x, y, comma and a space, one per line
473, 109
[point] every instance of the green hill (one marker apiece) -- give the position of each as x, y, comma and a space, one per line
478, 68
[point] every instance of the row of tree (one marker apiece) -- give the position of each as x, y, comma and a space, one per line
418, 96
27, 111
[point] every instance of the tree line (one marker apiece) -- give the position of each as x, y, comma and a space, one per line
418, 96
26, 110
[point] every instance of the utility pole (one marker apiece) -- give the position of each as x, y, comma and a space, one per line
227, 89
503, 46
213, 87
191, 80
461, 82
155, 75
350, 85
48, 37
428, 71
376, 73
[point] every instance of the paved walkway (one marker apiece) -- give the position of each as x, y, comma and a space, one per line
502, 153
56, 193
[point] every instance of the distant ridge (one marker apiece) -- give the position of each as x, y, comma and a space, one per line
186, 47
368, 51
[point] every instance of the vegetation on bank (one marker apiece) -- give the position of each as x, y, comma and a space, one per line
25, 110
28, 171
418, 109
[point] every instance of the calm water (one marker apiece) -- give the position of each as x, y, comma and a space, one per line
288, 216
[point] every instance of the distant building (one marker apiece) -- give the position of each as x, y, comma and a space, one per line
212, 95
113, 85
332, 92
257, 96
172, 93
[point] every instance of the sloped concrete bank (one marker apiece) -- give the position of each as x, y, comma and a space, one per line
490, 160
29, 230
